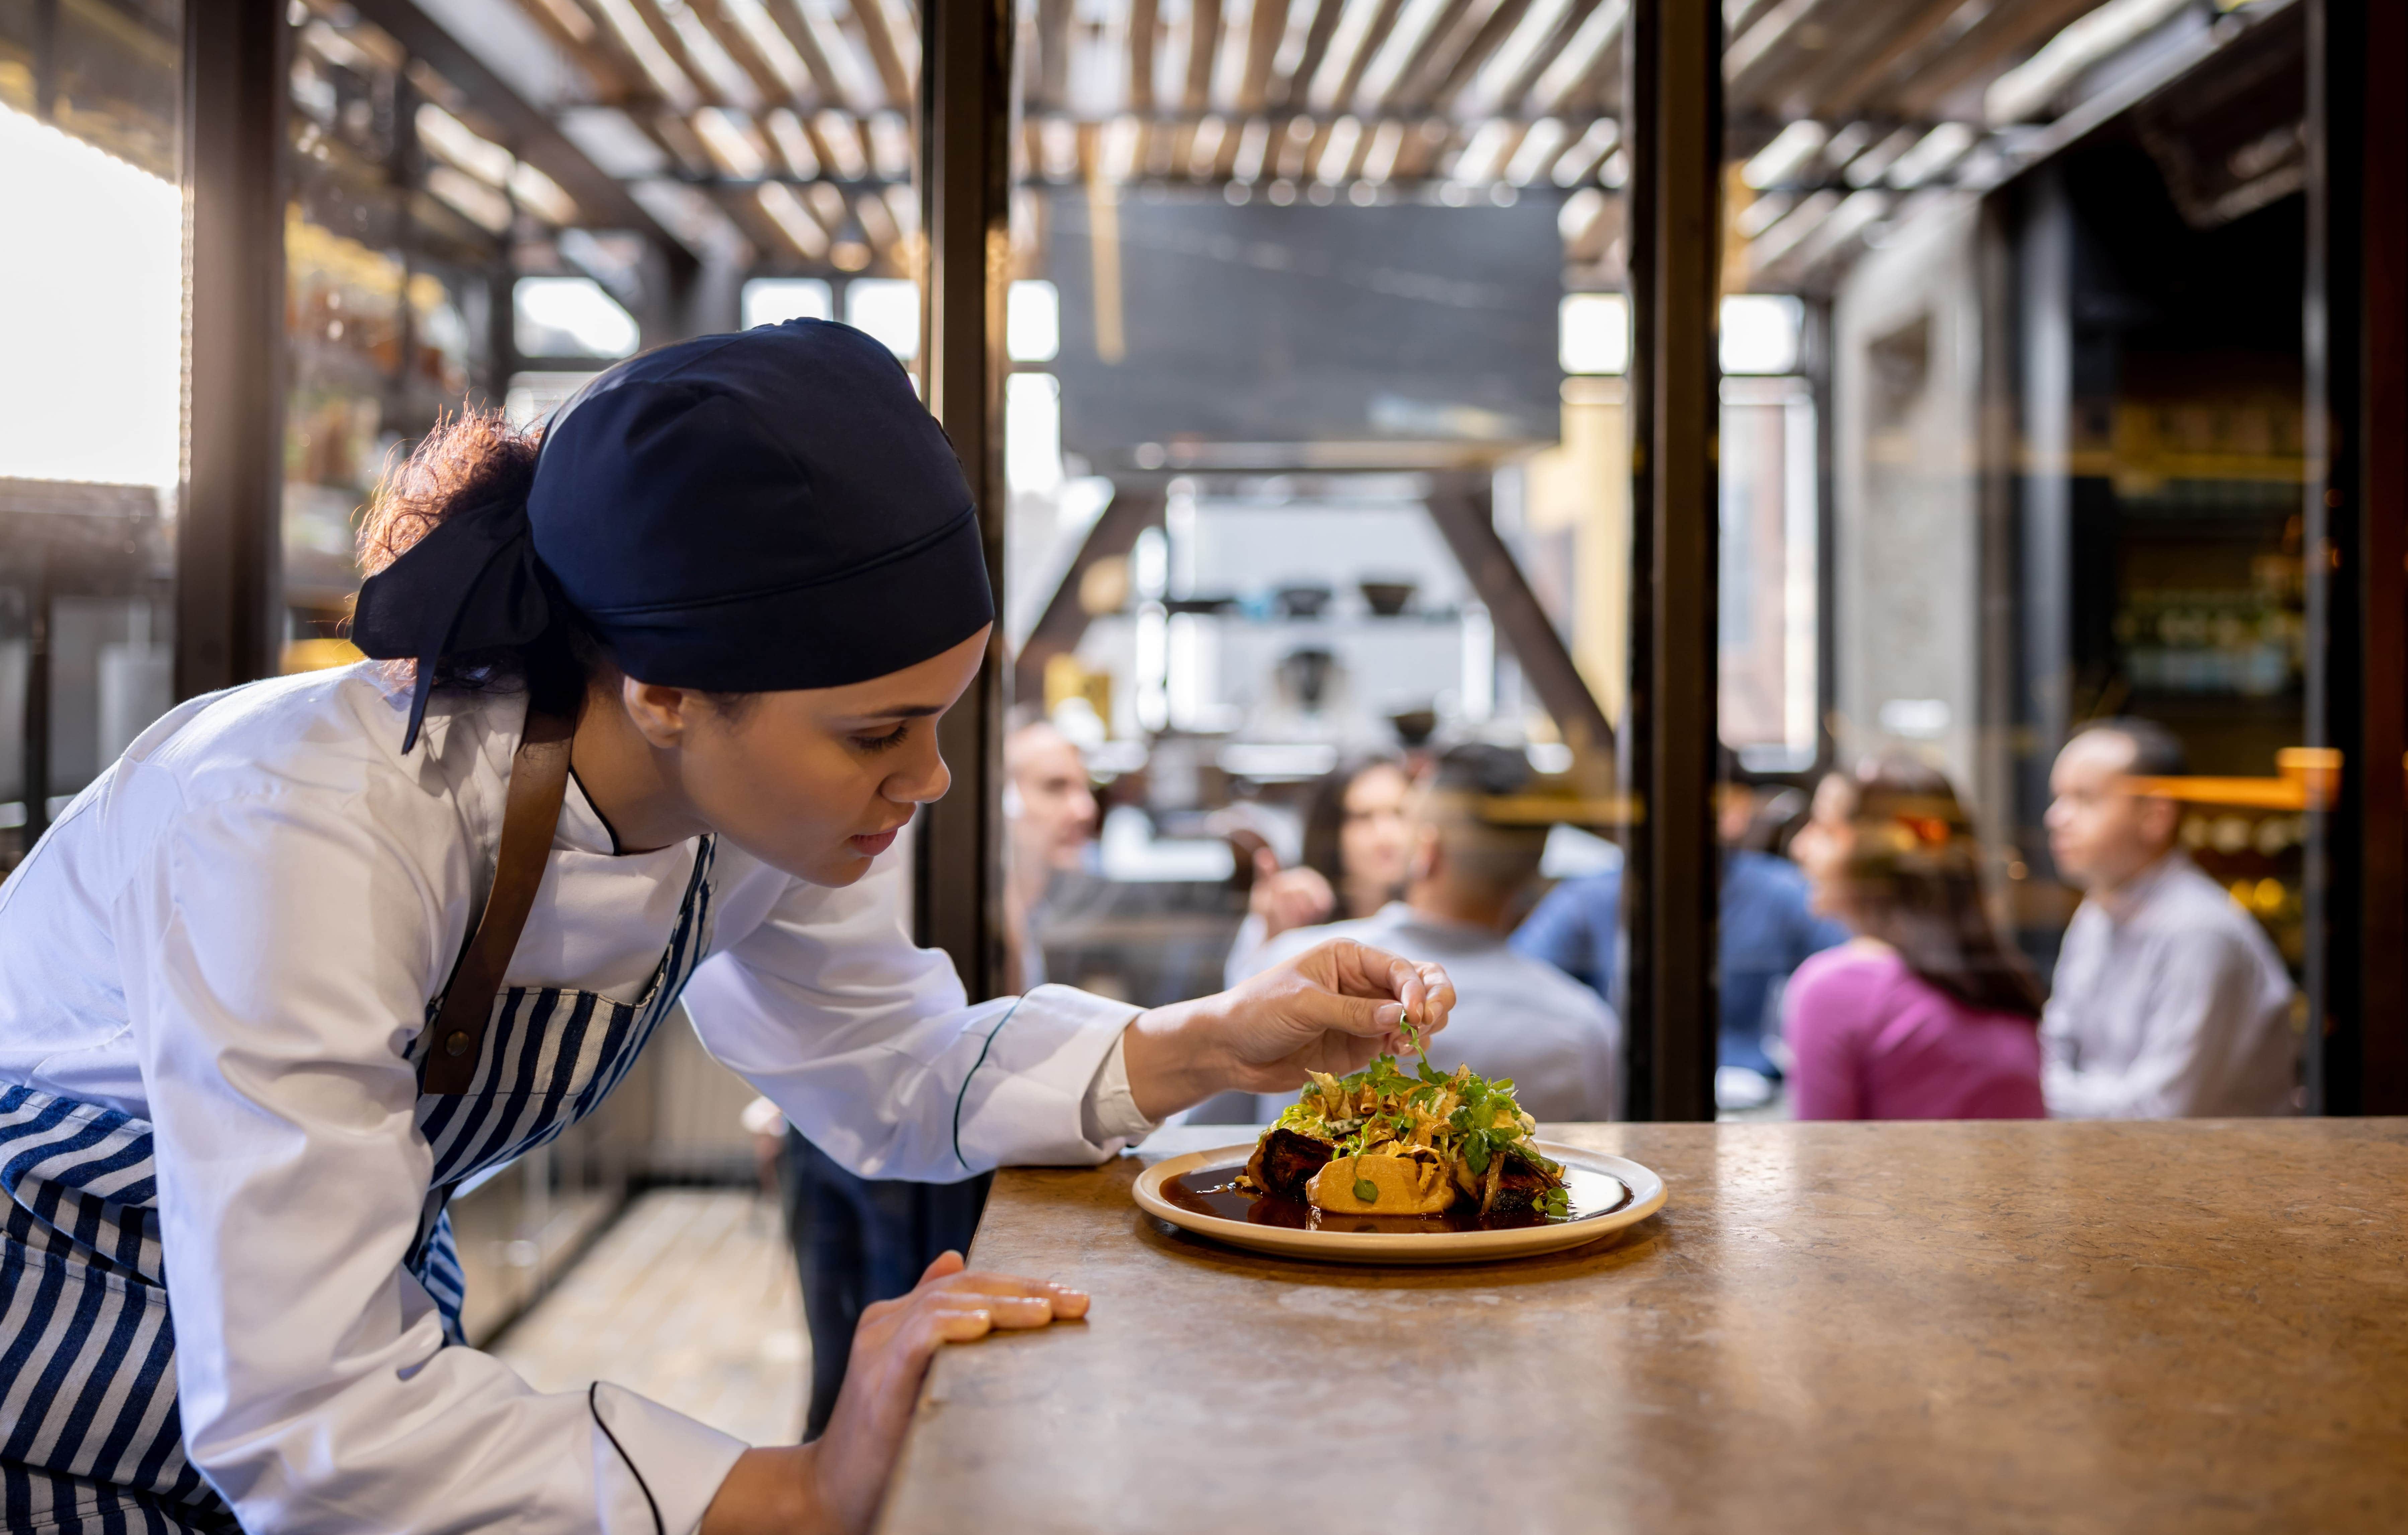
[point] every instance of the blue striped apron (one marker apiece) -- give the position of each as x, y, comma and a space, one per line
89, 1440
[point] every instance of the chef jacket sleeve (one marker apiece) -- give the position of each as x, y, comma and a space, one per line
279, 953
871, 1048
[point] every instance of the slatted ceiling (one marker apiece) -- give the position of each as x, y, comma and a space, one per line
1986, 50
1137, 90
1203, 52
893, 42
1908, 39
766, 84
1045, 61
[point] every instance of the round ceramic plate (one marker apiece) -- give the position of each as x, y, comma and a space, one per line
1645, 1195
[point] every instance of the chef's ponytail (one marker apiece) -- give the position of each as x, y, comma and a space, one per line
476, 460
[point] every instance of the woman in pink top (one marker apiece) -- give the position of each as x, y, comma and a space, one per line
1926, 1014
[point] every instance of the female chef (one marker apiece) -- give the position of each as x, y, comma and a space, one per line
320, 949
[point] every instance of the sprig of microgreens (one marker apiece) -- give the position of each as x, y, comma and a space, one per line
1411, 1033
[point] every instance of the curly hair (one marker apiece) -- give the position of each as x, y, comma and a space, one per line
472, 459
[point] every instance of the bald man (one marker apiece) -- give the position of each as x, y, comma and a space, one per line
2170, 1001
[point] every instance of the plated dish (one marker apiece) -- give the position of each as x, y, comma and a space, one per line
1386, 1166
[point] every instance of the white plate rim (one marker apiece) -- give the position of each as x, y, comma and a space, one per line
1647, 1196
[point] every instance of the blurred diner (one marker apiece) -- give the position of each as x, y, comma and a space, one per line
1465, 880
1766, 930
1924, 1013
1356, 848
1049, 812
2170, 1000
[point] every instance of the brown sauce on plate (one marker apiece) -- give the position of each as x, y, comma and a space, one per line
1213, 1191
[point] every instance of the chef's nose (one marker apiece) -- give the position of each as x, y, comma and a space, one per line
923, 778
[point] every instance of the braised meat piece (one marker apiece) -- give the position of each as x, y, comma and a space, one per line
1285, 1161
1519, 1186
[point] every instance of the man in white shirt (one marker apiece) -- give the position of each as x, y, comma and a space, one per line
1514, 1016
2170, 1001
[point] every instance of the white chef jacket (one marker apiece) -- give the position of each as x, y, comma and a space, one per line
234, 935
2169, 1002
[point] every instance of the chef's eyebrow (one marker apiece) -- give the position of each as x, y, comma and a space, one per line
901, 711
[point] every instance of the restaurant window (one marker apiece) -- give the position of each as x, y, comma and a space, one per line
1317, 461
2012, 436
90, 392
771, 300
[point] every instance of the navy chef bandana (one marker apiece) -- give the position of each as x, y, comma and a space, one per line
736, 514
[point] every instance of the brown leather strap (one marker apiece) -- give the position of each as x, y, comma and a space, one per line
538, 785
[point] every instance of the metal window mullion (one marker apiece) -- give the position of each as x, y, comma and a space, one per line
1674, 70
229, 623
965, 202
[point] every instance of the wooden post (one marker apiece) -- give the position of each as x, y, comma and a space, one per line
1670, 888
2357, 521
965, 201
229, 543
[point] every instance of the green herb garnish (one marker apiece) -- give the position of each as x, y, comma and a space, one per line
1366, 1191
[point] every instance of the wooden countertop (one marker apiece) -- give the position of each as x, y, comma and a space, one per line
2196, 1325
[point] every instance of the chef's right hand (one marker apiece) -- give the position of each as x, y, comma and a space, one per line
834, 1485
1287, 899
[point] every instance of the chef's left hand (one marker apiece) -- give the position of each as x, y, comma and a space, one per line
1331, 1009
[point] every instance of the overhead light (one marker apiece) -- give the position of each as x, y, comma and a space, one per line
1937, 150
481, 203
794, 145
730, 143
1577, 163
1536, 151
794, 221
2025, 90
540, 193
456, 142
1871, 166
890, 146
1337, 155
1790, 149
843, 144
1380, 160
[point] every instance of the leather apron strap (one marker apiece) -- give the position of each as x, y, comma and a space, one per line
530, 814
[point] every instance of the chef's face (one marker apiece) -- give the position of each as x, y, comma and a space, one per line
818, 782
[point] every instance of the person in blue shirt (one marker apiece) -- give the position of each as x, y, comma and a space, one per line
1768, 930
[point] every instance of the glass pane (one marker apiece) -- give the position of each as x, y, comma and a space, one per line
1318, 554
90, 392
2062, 487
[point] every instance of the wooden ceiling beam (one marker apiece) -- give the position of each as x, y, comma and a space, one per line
894, 51
613, 78
529, 133
1436, 82
1145, 17
656, 22
731, 38
1203, 50
2007, 30
805, 40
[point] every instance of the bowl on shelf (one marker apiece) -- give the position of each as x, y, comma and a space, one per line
1222, 602
1303, 599
1388, 599
1414, 727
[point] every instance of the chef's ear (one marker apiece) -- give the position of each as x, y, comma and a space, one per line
1428, 851
660, 713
